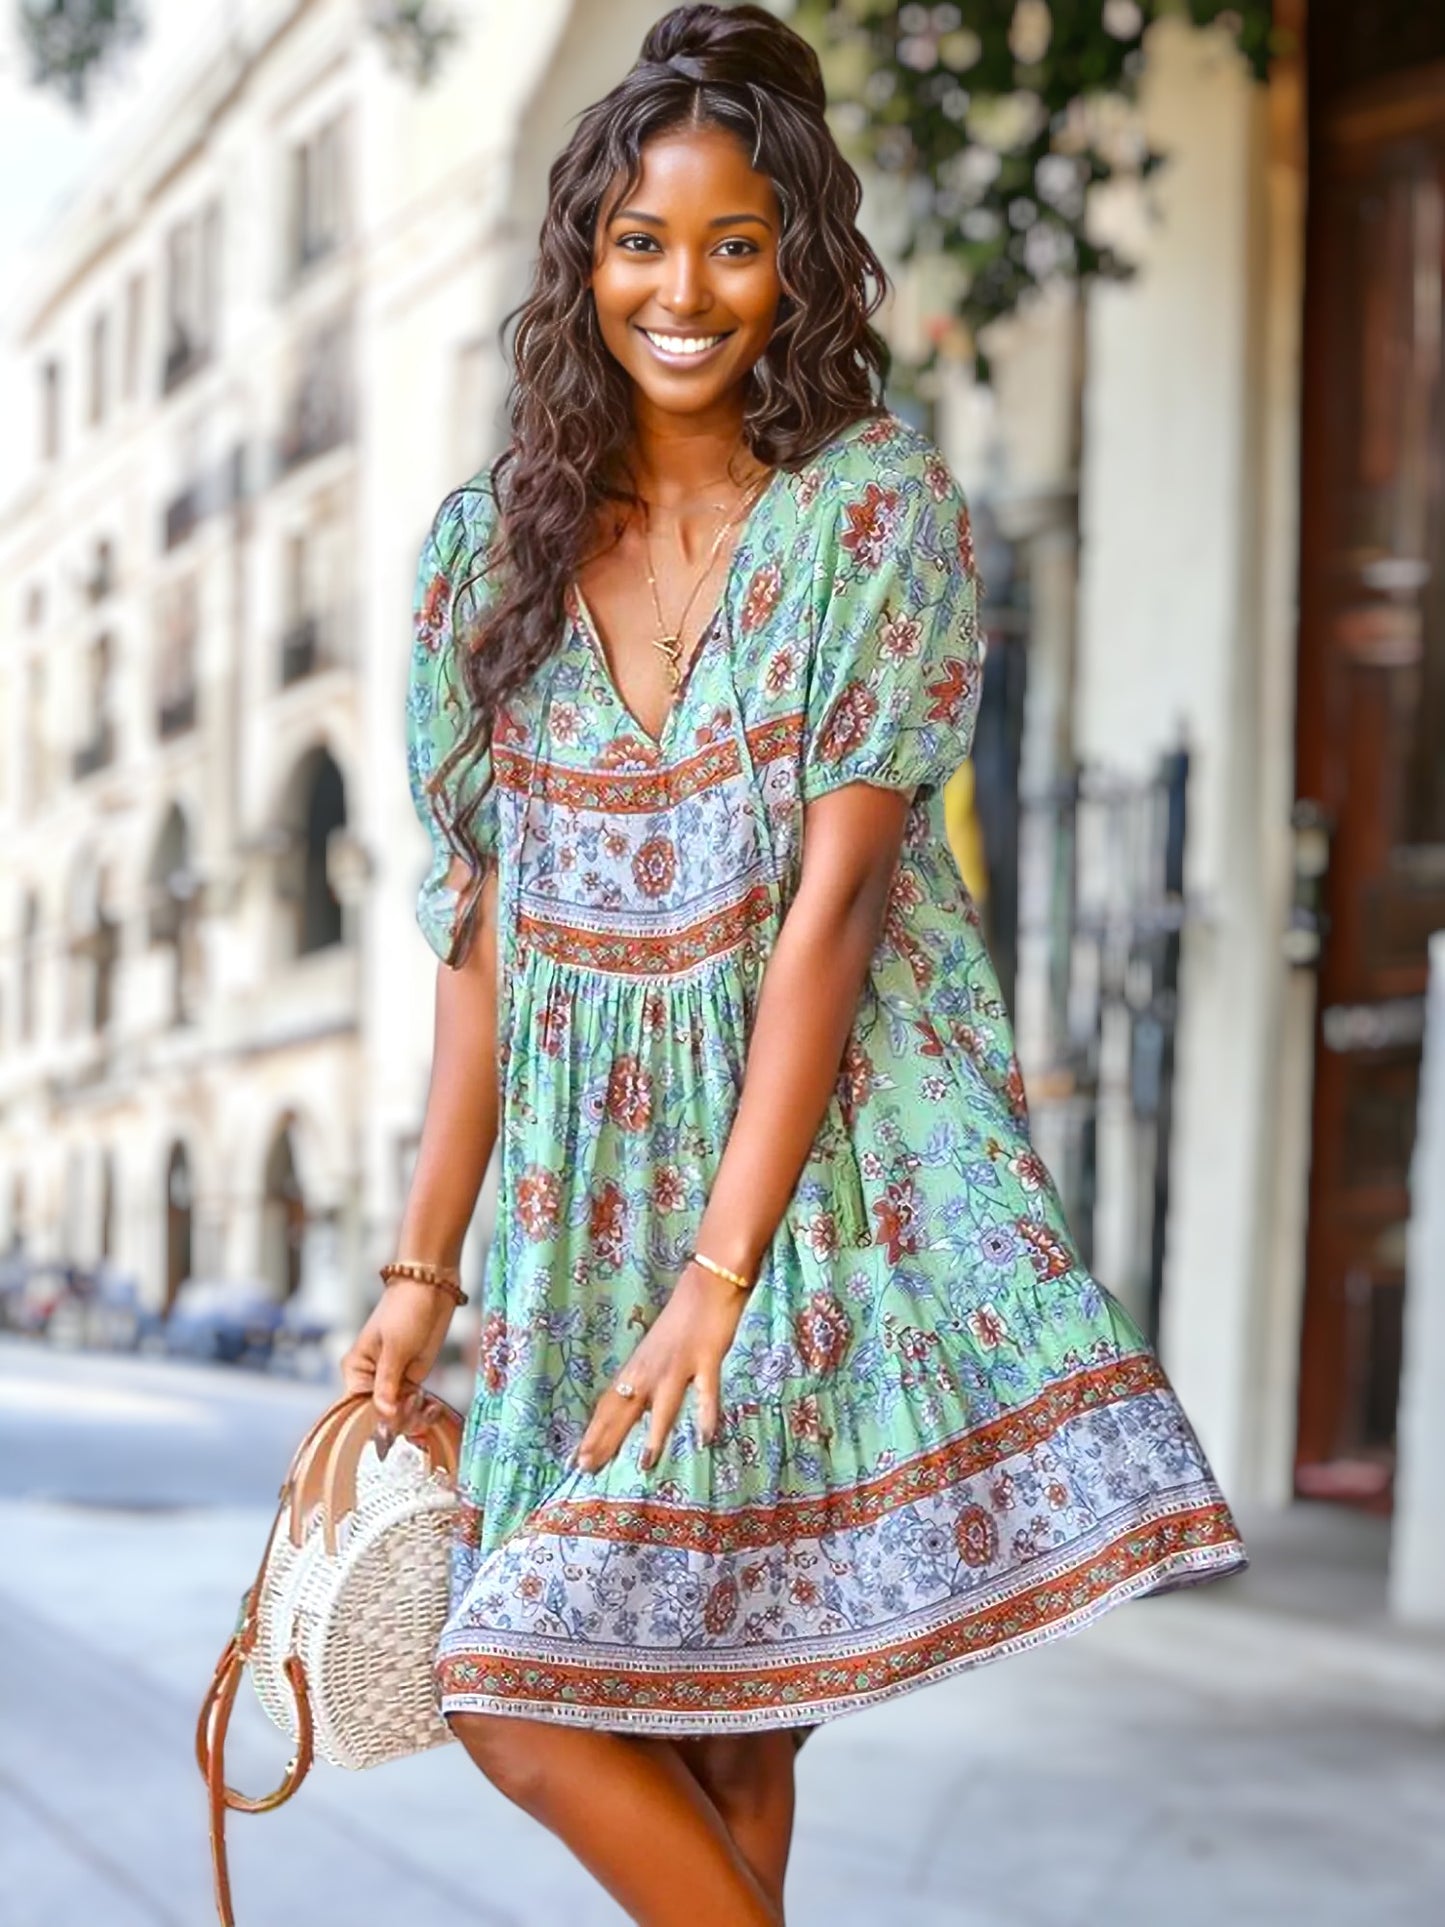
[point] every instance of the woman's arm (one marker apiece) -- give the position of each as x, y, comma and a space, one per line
400, 1341
809, 997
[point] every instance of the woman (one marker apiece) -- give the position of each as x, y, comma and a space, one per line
793, 1392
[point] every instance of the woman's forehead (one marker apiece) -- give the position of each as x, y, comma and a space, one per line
684, 171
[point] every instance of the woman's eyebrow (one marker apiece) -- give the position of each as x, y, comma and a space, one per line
720, 220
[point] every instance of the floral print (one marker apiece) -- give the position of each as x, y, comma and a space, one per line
941, 1439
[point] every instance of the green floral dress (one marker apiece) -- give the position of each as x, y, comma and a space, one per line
942, 1439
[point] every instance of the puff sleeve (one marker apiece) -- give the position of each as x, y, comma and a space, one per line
450, 583
895, 664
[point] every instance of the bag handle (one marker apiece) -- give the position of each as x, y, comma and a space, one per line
214, 1723
435, 1427
307, 1479
312, 1475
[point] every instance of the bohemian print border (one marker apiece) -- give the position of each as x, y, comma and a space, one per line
1180, 1548
645, 791
635, 953
749, 1528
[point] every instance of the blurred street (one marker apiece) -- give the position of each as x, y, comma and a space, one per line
1264, 1751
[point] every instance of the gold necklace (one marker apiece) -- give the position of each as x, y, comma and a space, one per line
670, 642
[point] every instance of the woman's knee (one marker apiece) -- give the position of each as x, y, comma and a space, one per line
510, 1752
747, 1773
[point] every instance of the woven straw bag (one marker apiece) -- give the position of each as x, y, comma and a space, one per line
341, 1626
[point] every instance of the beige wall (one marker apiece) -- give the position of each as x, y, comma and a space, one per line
1188, 621
1186, 624
445, 191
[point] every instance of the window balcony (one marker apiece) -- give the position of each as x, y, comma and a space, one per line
183, 357
317, 422
176, 714
301, 651
182, 513
95, 754
101, 580
319, 407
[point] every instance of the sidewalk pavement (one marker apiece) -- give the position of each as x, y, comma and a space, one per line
1230, 1753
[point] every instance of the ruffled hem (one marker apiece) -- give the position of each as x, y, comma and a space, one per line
677, 1696
660, 1610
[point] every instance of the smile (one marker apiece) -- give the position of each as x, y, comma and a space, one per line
679, 348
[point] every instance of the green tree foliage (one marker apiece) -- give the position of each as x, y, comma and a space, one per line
71, 44
998, 117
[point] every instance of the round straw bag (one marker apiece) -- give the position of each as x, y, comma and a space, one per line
341, 1626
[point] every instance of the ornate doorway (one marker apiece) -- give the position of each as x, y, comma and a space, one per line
1371, 716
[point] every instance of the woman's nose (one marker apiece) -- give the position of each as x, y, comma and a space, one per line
685, 290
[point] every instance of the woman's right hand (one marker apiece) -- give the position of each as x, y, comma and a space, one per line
396, 1348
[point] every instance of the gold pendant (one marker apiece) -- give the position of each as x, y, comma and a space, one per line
671, 648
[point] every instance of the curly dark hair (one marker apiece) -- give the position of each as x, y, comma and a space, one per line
739, 69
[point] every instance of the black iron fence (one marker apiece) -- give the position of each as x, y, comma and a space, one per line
1096, 885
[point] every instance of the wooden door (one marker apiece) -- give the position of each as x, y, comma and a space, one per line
1371, 741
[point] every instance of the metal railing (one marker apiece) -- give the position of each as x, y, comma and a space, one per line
1099, 938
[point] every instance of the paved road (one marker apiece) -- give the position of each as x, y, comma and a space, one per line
139, 1435
1190, 1759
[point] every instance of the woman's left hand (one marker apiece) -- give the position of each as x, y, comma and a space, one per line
685, 1345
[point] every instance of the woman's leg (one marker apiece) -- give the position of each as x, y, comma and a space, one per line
635, 1816
749, 1779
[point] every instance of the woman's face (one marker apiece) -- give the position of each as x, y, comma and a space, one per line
686, 277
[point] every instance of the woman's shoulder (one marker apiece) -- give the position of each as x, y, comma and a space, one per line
882, 451
464, 523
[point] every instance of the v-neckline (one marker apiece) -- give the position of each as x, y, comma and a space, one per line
588, 623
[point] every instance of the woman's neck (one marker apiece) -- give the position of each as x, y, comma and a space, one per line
676, 458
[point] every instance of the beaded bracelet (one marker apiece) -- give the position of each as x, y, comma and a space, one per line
440, 1277
721, 1271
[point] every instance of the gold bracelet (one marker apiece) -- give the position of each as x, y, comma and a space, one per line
440, 1277
733, 1277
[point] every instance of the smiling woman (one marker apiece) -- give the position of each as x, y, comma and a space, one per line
793, 1392
701, 290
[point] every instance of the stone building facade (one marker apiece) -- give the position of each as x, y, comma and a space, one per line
264, 343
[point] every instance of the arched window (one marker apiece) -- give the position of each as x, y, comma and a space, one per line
19, 1227
325, 811
314, 814
98, 747
178, 631
284, 1216
107, 1204
94, 944
178, 1220
173, 887
29, 934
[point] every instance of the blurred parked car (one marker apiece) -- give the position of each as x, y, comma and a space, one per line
101, 1307
30, 1291
300, 1344
232, 1320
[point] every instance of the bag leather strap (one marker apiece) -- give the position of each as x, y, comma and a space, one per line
322, 1470
213, 1725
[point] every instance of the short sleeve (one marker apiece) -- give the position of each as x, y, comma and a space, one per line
455, 802
895, 665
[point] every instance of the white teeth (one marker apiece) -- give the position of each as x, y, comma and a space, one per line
682, 344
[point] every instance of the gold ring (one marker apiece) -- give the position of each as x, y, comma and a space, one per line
624, 1390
